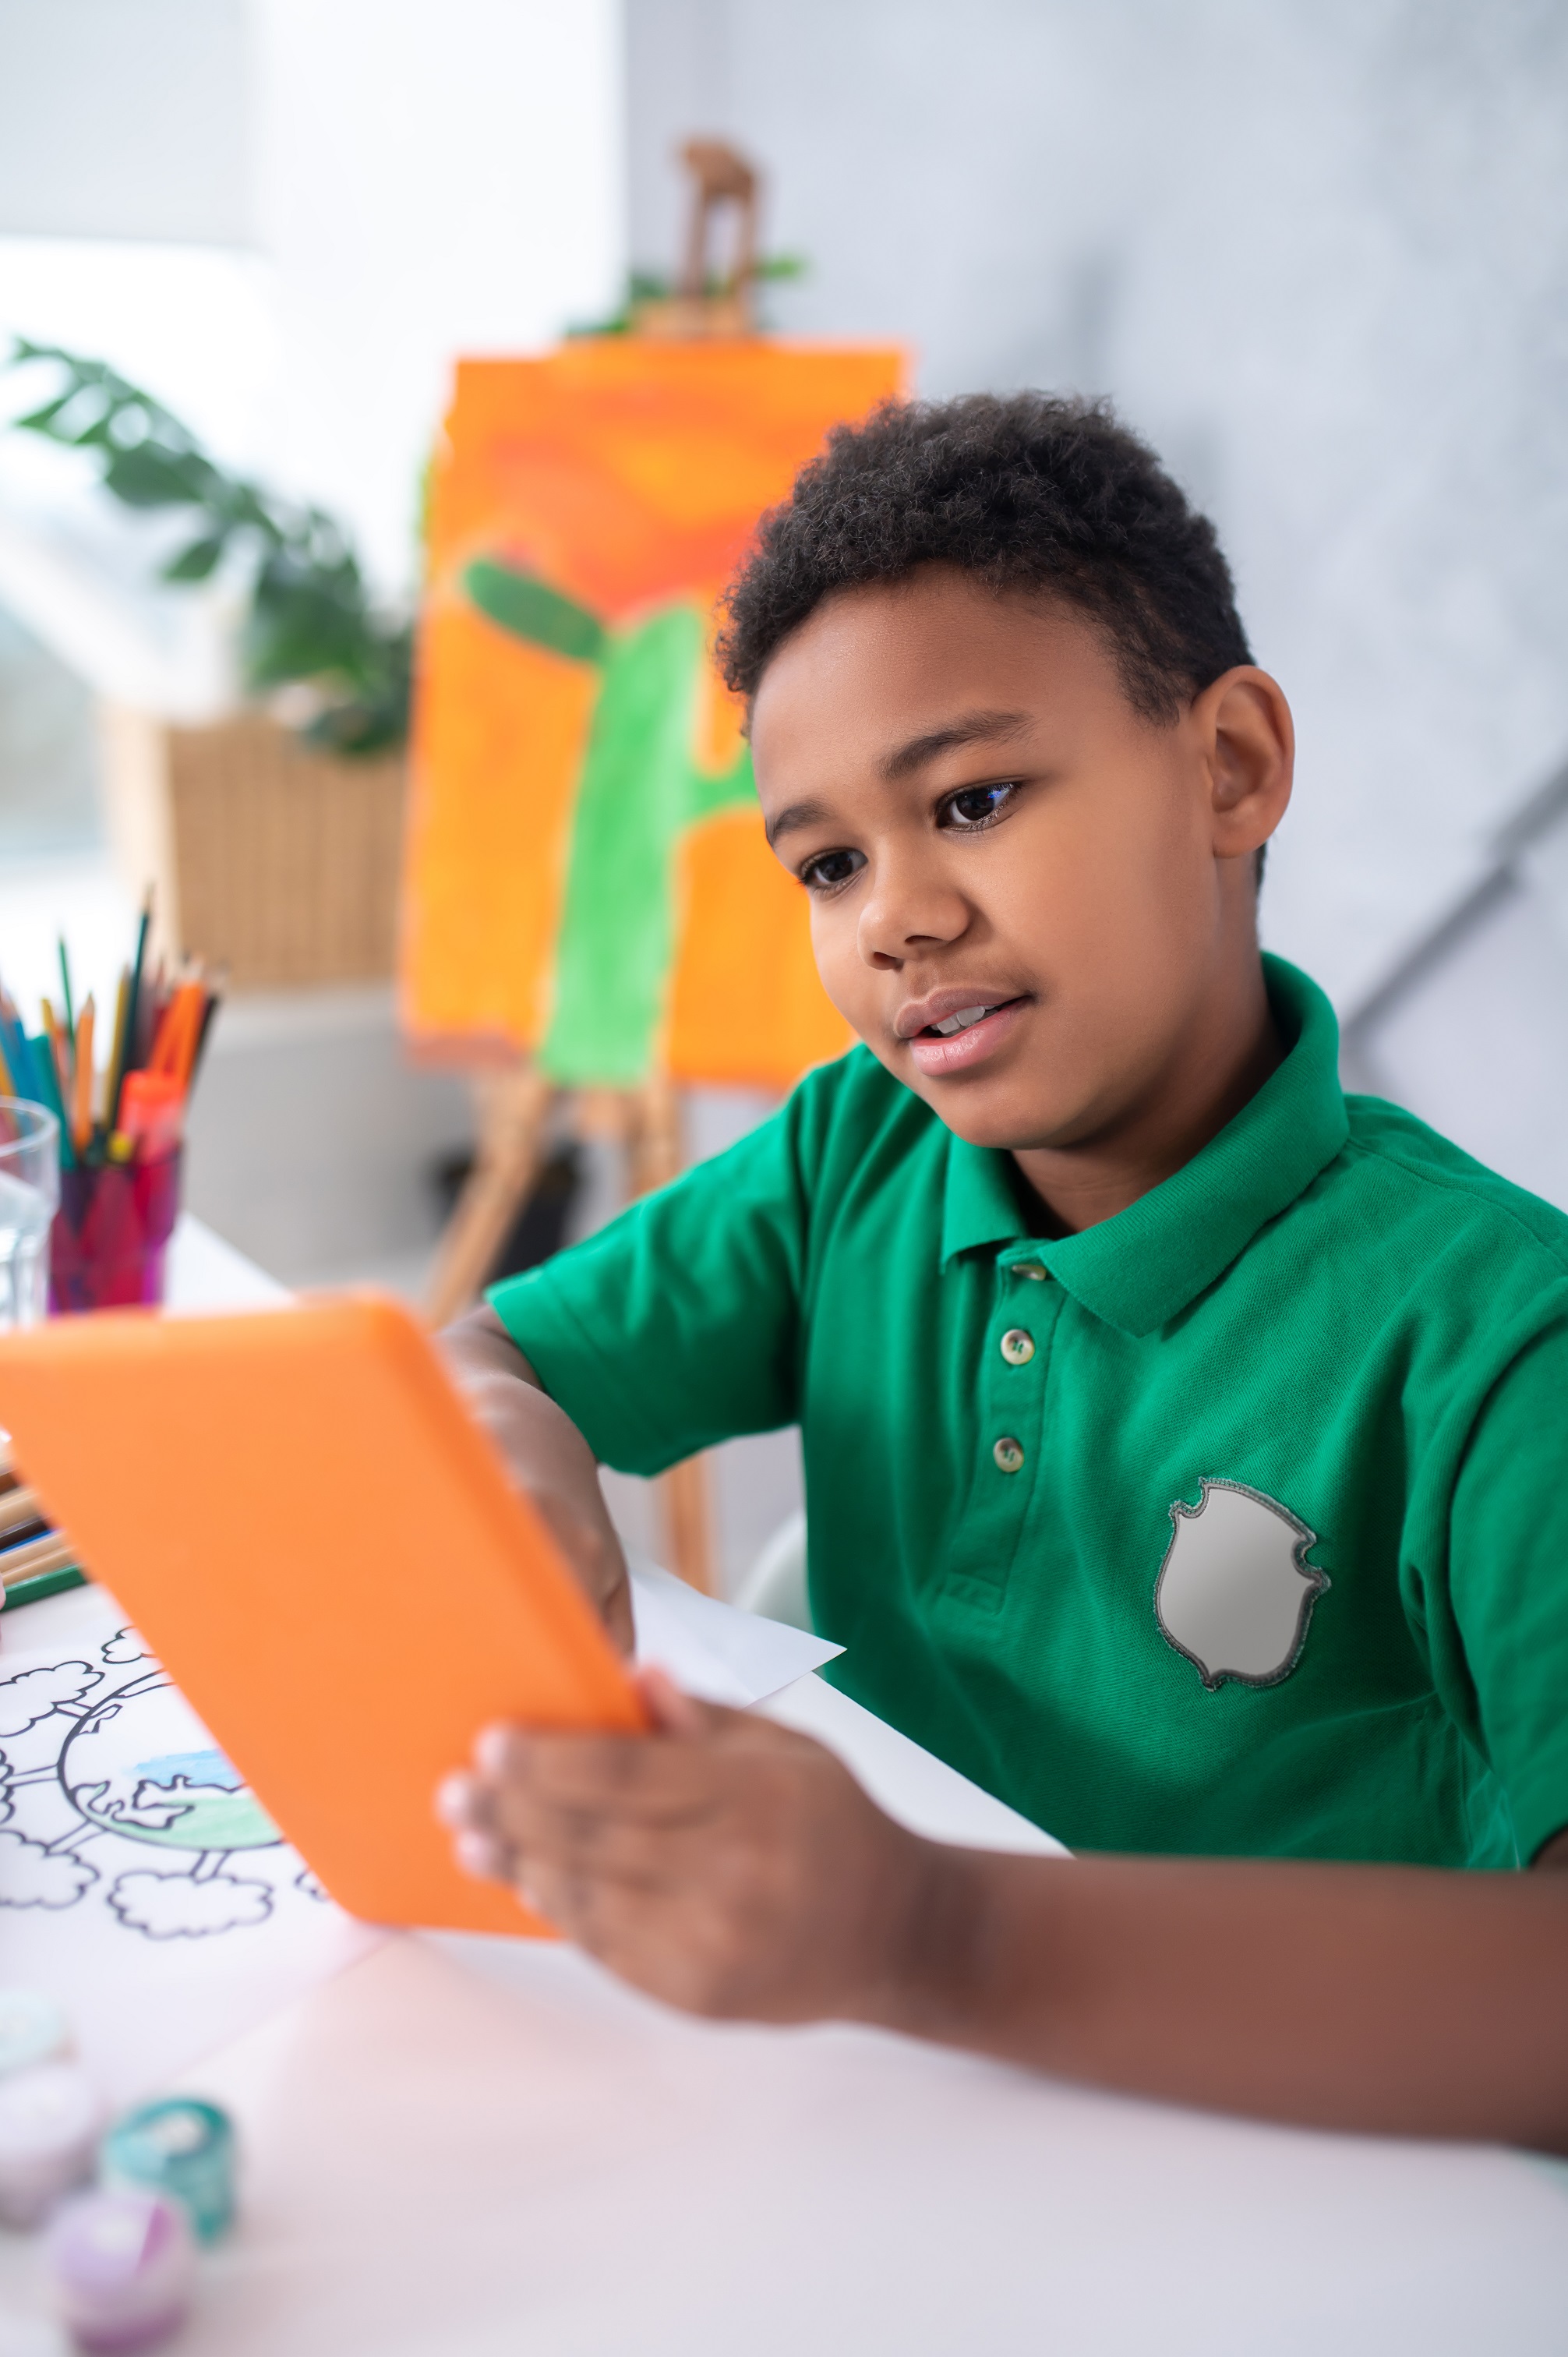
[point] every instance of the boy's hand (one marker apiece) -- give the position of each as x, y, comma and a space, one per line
728, 1865
547, 1457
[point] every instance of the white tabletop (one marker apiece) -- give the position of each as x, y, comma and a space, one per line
463, 2148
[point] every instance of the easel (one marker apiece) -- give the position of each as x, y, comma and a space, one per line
705, 305
521, 1115
521, 1111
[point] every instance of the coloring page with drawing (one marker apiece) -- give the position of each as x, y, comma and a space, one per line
141, 1882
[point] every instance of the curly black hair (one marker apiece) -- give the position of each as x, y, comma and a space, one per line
1025, 492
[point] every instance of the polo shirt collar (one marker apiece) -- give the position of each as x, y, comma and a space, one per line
1140, 1269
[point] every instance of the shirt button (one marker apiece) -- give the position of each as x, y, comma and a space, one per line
1009, 1455
1030, 1268
1017, 1347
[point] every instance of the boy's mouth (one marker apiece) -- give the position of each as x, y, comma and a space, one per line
964, 1036
964, 1020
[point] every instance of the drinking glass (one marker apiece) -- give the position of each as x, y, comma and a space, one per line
29, 1191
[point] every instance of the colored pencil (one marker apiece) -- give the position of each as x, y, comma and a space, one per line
53, 1552
44, 1584
81, 1111
133, 1010
174, 1050
162, 1020
59, 1048
18, 1507
118, 1049
46, 1092
65, 984
18, 1056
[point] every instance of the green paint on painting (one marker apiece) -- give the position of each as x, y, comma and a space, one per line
639, 789
531, 609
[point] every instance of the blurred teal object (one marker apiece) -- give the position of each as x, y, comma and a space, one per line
183, 2148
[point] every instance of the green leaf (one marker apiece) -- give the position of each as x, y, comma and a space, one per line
310, 617
310, 622
531, 609
197, 561
41, 421
147, 477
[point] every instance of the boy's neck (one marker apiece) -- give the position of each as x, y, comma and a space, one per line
1222, 1062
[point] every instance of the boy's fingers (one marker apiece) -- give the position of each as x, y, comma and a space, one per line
627, 1923
483, 1857
670, 1711
503, 1750
652, 1858
696, 1727
534, 1821
462, 1800
613, 1772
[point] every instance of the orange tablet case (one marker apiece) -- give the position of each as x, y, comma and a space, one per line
321, 1545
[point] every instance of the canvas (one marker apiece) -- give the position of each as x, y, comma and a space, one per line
587, 877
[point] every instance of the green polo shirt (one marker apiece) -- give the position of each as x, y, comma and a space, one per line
1236, 1524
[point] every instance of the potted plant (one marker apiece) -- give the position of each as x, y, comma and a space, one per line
274, 848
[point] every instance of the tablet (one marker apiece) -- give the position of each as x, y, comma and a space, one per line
321, 1545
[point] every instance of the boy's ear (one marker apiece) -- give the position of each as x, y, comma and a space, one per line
1247, 739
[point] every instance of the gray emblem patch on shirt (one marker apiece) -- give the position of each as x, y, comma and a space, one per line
1233, 1593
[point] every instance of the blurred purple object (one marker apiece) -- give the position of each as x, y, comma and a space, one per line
111, 1234
122, 2265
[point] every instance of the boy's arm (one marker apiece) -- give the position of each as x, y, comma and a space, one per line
547, 1457
735, 1868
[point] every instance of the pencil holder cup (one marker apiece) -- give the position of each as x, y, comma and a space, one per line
29, 1187
110, 1234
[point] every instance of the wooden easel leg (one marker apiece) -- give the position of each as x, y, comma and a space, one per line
685, 1502
514, 1109
686, 1509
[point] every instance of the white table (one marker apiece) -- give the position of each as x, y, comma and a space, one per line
466, 2147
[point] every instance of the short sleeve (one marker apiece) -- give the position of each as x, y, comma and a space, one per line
679, 1324
1509, 1582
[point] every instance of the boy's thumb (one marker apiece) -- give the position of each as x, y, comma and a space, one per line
670, 1711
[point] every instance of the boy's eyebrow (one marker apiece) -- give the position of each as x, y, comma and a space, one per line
969, 728
797, 815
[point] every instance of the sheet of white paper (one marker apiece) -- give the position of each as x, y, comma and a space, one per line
140, 1881
912, 1784
710, 1649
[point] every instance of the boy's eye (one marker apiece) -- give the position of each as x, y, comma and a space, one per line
831, 868
975, 806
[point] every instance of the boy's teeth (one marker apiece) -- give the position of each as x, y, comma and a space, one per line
959, 1022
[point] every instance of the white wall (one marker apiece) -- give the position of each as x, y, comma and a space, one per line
125, 119
1318, 251
435, 177
287, 217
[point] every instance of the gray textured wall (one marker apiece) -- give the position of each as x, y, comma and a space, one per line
1317, 248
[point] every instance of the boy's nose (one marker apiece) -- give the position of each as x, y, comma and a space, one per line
907, 912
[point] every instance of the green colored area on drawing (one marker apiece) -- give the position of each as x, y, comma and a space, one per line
640, 787
200, 1819
530, 608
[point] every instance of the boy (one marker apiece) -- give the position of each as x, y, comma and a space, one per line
1183, 1445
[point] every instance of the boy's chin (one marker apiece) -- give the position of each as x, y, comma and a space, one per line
1010, 1120
1000, 1110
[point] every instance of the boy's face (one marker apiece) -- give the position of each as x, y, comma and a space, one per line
983, 822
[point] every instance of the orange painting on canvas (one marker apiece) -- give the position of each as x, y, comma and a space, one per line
566, 894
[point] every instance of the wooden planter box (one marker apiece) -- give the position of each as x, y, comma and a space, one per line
280, 864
